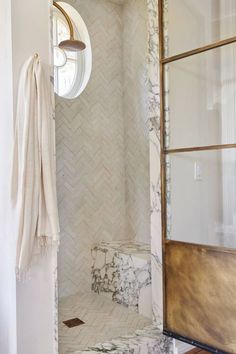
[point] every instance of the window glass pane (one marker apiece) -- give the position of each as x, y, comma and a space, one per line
63, 32
200, 104
201, 202
72, 70
71, 55
66, 77
194, 23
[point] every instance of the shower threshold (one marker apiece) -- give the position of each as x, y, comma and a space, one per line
103, 320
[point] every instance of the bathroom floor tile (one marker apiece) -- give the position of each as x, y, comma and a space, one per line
103, 321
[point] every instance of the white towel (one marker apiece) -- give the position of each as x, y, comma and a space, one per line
34, 173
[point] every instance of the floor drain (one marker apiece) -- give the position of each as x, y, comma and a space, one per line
74, 322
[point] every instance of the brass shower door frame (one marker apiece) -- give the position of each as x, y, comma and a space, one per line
183, 314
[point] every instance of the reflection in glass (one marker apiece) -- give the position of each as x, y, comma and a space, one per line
201, 197
59, 57
201, 99
194, 23
64, 75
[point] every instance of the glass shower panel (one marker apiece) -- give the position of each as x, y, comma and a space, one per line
191, 24
201, 203
200, 100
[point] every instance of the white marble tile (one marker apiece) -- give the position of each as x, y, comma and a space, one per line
122, 269
146, 341
154, 139
144, 303
104, 320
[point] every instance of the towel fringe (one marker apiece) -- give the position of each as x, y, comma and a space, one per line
43, 245
45, 242
23, 275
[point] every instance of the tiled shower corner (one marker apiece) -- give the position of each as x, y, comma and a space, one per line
108, 328
113, 317
117, 313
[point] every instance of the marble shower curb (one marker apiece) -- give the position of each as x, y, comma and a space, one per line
146, 341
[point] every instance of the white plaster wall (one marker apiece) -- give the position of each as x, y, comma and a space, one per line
7, 273
35, 297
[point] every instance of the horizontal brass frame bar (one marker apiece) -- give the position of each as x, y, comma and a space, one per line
203, 247
198, 50
200, 148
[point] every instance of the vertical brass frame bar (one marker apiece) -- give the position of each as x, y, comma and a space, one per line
162, 148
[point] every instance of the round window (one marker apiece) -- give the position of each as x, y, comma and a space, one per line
72, 70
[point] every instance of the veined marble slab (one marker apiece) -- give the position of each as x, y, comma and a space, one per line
130, 248
123, 271
147, 341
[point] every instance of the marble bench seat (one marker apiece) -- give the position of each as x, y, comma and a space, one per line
122, 271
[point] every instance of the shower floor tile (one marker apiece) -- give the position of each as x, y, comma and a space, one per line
103, 320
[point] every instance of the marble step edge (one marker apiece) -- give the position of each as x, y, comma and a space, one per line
130, 249
146, 341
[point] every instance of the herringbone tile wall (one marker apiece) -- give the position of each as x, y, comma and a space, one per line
135, 49
102, 145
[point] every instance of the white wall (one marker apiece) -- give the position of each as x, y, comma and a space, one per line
35, 298
27, 308
7, 275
